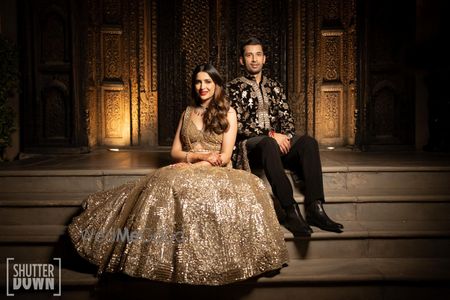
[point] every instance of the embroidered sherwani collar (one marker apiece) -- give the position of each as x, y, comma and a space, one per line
249, 77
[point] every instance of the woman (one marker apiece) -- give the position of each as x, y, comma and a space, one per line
198, 221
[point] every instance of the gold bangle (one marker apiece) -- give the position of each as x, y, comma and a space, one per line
186, 158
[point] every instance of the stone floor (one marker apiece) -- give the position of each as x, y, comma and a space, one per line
332, 161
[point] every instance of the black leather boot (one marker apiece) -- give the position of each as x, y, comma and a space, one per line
316, 216
295, 223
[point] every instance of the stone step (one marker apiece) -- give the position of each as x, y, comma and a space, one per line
65, 181
395, 208
375, 239
364, 278
364, 180
337, 179
60, 208
359, 240
386, 206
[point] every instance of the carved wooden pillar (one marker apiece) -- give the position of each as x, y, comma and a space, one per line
92, 69
148, 73
351, 80
296, 63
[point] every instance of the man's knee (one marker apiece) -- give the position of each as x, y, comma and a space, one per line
307, 141
268, 144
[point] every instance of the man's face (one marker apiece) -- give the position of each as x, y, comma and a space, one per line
254, 59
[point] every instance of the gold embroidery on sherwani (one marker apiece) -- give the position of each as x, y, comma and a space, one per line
262, 112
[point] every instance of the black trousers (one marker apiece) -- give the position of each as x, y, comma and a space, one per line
303, 159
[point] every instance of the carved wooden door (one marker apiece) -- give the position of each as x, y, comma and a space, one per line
120, 78
89, 74
51, 117
388, 79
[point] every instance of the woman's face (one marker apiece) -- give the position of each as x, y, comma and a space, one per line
204, 86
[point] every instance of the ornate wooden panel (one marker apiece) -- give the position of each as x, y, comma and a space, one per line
55, 109
112, 56
52, 111
121, 88
115, 112
330, 108
330, 112
114, 89
321, 51
137, 56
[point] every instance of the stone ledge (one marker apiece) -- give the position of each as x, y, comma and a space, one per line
382, 229
145, 171
362, 270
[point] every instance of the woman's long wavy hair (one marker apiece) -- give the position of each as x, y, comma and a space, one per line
215, 117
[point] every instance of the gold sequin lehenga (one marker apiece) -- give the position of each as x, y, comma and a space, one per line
183, 223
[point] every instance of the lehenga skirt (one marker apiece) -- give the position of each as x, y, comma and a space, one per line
184, 224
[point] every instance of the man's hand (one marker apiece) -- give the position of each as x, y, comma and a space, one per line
283, 141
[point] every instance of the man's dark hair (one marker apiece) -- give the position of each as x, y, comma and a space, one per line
250, 41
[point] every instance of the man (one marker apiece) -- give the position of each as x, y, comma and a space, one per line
266, 138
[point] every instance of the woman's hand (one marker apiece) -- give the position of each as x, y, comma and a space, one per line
214, 159
211, 158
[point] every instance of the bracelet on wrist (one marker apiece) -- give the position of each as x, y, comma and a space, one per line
186, 157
